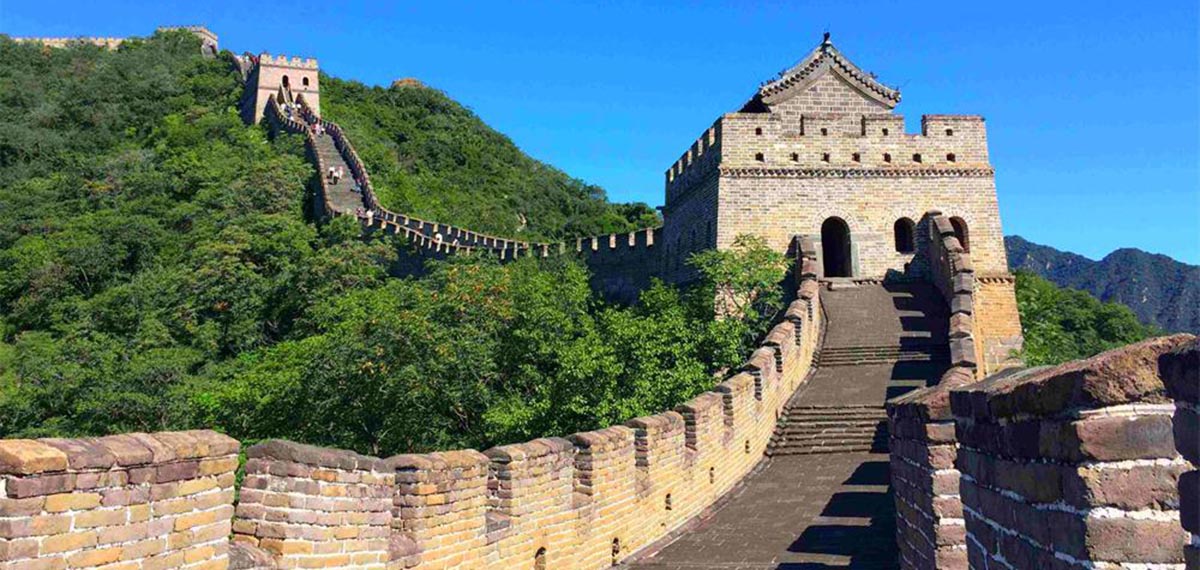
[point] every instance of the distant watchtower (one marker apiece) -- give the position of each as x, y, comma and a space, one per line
275, 75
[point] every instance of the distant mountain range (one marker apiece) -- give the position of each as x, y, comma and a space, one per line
1161, 291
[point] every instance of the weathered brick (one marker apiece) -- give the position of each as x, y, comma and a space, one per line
27, 456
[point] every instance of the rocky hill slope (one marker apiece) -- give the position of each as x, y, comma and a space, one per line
1161, 291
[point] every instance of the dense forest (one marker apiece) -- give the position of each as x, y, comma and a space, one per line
157, 271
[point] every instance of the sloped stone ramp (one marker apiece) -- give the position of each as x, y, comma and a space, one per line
824, 510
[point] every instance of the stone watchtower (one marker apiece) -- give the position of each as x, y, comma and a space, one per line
275, 74
818, 151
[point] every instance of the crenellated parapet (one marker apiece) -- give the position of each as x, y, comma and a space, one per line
291, 62
162, 500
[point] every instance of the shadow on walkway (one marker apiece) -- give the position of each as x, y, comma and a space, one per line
858, 524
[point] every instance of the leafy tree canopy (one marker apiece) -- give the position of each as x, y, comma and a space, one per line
1067, 324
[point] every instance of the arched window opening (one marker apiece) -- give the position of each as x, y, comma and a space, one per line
960, 231
887, 157
758, 130
712, 475
759, 157
616, 551
667, 502
950, 157
286, 83
539, 559
835, 247
903, 231
304, 81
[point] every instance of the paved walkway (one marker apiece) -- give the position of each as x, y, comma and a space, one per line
800, 512
823, 511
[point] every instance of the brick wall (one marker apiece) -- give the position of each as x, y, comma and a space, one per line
312, 507
1180, 370
930, 530
1072, 466
145, 501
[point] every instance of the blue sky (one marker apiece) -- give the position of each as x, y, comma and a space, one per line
1092, 107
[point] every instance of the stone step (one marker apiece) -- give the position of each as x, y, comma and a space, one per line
802, 430
834, 417
818, 450
817, 437
834, 422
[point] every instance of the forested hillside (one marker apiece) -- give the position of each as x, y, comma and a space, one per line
157, 271
1161, 291
432, 158
1062, 324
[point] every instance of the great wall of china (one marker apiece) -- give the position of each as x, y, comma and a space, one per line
974, 461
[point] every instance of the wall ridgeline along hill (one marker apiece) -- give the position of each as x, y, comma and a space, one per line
430, 157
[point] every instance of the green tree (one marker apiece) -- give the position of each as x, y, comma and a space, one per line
1066, 324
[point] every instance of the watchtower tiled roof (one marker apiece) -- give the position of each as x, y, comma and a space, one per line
825, 58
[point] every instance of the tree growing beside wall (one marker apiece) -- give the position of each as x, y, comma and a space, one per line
1062, 324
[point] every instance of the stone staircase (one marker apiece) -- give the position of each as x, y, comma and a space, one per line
815, 429
858, 355
880, 340
341, 195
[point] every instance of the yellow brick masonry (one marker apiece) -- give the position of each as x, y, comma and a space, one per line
311, 507
132, 501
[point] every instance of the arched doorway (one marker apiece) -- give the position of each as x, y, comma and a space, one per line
960, 231
835, 247
903, 234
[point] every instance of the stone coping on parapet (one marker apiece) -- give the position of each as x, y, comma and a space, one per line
50, 455
1124, 376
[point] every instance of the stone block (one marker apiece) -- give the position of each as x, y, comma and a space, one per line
1121, 376
1189, 501
27, 456
962, 353
962, 325
1180, 371
962, 303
